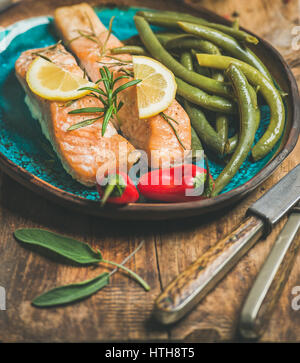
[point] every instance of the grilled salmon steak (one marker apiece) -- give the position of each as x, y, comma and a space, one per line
85, 35
82, 151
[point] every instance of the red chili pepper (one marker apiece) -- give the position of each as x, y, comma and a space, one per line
173, 184
118, 190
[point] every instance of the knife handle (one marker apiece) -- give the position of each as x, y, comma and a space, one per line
183, 293
270, 281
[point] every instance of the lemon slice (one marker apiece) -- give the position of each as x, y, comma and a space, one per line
158, 87
49, 81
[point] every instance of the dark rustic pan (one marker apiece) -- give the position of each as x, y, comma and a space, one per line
284, 77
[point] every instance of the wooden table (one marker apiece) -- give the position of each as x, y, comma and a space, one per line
122, 311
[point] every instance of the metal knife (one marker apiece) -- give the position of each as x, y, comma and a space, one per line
186, 290
271, 280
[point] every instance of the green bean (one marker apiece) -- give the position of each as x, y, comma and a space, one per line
129, 49
198, 97
260, 63
197, 68
164, 38
195, 95
247, 127
157, 51
232, 142
197, 44
226, 42
222, 128
170, 19
204, 130
222, 122
269, 92
186, 60
195, 142
236, 23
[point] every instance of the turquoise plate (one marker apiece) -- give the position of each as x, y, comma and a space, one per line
28, 157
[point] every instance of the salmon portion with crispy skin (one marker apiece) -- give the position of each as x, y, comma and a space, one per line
82, 151
153, 135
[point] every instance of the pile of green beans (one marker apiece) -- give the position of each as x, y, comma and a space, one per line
218, 77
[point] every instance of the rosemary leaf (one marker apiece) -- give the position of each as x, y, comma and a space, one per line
87, 110
43, 56
67, 104
83, 123
103, 50
97, 90
167, 119
126, 85
106, 119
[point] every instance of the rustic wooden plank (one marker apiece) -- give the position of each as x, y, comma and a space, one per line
123, 310
120, 311
216, 316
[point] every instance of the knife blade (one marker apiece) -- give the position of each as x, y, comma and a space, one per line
271, 279
186, 290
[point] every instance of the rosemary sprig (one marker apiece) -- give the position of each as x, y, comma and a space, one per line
42, 56
168, 119
50, 48
91, 35
107, 96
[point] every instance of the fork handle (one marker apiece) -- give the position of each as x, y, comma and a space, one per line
183, 293
270, 281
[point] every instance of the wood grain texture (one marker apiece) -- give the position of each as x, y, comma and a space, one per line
122, 311
204, 273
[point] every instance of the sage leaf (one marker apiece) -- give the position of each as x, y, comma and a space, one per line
73, 292
67, 247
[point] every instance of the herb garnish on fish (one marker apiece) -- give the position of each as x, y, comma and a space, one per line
108, 97
168, 119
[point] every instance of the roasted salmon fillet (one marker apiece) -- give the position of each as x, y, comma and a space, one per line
76, 25
82, 151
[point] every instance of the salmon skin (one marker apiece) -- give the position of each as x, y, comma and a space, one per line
154, 135
82, 151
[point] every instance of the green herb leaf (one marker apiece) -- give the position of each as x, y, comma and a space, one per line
70, 293
106, 119
103, 50
108, 97
126, 85
64, 246
97, 90
87, 110
83, 123
168, 119
131, 273
43, 56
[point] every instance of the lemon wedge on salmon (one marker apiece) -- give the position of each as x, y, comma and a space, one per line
158, 87
52, 82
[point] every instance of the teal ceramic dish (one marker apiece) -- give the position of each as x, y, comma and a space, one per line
28, 157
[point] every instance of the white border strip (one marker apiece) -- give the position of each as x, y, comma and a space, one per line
19, 28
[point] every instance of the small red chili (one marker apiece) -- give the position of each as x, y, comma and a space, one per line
119, 189
176, 184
